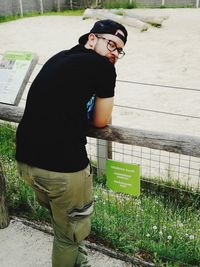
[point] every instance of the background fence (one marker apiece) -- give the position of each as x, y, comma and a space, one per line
13, 7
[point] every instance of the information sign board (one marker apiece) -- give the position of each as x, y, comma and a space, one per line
123, 177
15, 70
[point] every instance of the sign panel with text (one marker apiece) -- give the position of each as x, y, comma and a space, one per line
123, 177
15, 70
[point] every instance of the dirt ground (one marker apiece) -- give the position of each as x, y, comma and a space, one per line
164, 56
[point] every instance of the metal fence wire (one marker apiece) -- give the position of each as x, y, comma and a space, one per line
164, 219
156, 166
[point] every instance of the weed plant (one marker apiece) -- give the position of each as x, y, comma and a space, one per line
152, 226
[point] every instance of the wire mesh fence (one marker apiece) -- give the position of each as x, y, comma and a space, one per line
164, 219
156, 165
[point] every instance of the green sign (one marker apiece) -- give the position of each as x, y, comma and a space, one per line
17, 55
123, 177
15, 70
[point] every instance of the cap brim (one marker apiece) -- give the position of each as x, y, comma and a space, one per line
83, 39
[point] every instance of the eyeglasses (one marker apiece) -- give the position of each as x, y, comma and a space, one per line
111, 46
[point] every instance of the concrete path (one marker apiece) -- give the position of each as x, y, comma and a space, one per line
24, 246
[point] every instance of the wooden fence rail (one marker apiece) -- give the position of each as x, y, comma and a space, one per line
182, 144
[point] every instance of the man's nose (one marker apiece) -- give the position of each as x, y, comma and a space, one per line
115, 53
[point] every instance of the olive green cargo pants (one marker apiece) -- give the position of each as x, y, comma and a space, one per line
69, 198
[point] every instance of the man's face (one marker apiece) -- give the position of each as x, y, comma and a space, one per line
110, 46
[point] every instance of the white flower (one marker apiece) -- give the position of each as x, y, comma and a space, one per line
147, 235
191, 237
160, 233
169, 237
180, 224
154, 227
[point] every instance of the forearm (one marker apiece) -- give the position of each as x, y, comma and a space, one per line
102, 111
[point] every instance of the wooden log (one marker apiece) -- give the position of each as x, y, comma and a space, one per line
105, 14
182, 144
153, 20
10, 113
4, 217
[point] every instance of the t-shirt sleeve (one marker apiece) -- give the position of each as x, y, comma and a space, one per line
106, 80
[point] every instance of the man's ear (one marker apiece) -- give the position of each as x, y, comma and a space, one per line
92, 40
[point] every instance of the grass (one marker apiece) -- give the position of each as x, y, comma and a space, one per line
153, 226
79, 12
150, 224
119, 4
49, 13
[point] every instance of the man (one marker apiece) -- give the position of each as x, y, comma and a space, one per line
51, 137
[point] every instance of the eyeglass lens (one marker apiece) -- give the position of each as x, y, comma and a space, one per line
112, 46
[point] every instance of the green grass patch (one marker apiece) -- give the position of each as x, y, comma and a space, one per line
119, 4
159, 226
150, 224
7, 141
78, 12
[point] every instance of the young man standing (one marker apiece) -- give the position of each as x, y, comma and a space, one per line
51, 137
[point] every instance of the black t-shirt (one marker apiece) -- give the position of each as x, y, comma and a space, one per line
52, 132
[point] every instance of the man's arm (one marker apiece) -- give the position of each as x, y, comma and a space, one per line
102, 111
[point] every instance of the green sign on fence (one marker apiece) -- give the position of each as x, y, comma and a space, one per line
123, 177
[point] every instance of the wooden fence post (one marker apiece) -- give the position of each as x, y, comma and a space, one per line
41, 7
104, 151
102, 155
21, 8
4, 217
58, 5
163, 3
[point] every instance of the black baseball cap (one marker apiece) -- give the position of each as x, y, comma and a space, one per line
106, 26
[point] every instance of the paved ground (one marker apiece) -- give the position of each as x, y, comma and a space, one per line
24, 246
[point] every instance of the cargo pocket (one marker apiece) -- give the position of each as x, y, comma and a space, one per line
80, 219
52, 187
